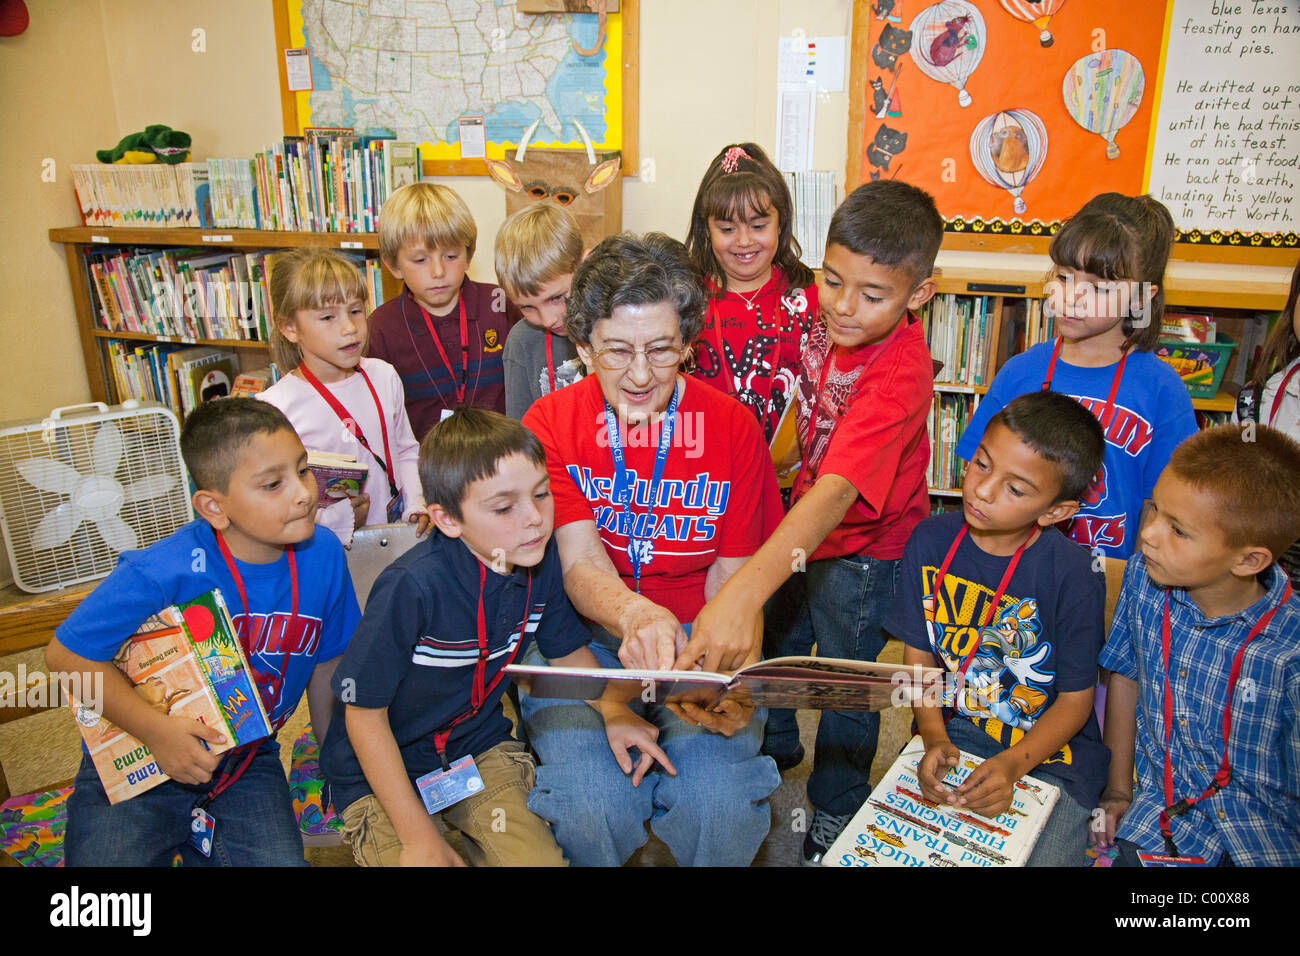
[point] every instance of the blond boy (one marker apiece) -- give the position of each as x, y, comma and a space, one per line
537, 251
445, 334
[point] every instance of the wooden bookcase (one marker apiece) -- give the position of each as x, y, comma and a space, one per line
1189, 286
77, 239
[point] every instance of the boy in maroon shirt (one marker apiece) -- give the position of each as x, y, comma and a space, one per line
445, 333
866, 385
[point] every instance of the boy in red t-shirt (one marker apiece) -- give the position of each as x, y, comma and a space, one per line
445, 334
865, 388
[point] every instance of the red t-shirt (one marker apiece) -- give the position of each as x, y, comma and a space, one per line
717, 497
760, 346
871, 431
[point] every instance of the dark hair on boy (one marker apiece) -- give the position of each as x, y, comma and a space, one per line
216, 431
1249, 472
628, 269
1120, 237
740, 189
466, 447
895, 223
1061, 431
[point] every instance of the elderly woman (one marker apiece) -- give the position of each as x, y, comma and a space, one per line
663, 488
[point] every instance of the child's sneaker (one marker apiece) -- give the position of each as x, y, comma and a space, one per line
817, 841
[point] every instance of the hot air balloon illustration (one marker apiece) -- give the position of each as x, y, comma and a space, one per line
948, 41
1008, 148
1102, 91
1039, 14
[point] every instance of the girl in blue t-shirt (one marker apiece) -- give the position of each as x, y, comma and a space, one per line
1106, 296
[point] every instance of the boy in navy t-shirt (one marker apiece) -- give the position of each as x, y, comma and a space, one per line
286, 583
1015, 621
419, 689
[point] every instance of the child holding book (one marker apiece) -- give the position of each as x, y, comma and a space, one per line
537, 251
762, 298
1013, 613
419, 689
865, 387
287, 585
337, 400
1106, 295
445, 333
1205, 683
1272, 397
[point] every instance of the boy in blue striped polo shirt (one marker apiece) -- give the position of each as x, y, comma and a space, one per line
1205, 650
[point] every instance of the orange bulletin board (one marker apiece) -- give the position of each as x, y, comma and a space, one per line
1015, 63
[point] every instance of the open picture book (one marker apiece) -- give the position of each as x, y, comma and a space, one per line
814, 683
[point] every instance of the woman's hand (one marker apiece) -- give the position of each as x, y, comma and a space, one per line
651, 636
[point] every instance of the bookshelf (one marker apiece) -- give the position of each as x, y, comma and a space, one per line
95, 339
1009, 282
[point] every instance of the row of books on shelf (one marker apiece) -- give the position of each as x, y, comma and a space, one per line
182, 377
326, 181
972, 335
949, 415
814, 195
193, 293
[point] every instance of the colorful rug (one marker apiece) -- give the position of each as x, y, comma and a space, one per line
307, 786
31, 827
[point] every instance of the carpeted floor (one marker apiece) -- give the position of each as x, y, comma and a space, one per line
39, 751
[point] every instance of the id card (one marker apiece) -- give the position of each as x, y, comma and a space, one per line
395, 508
442, 788
1160, 859
202, 830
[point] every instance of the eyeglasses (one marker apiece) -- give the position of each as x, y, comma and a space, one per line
618, 358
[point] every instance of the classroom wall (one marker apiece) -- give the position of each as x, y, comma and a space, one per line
88, 71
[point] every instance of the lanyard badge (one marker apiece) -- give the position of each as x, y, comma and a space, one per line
640, 551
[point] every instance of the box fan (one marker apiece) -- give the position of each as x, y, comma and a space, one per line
77, 490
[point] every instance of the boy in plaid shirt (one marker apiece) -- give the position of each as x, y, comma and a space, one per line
1204, 646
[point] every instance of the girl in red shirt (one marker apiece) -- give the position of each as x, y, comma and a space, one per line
762, 299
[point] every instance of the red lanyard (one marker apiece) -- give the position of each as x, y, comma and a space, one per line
997, 596
1224, 774
350, 423
480, 690
276, 683
550, 358
1109, 411
1281, 390
228, 777
442, 352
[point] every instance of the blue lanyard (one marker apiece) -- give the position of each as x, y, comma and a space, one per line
639, 552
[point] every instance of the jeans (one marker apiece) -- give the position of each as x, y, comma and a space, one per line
847, 599
713, 813
255, 825
787, 632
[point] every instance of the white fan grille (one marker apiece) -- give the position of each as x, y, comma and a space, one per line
149, 448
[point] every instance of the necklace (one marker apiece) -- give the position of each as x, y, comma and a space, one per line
749, 302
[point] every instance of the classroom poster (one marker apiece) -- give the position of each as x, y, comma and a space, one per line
1014, 113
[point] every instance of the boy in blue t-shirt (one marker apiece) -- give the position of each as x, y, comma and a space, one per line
1015, 621
419, 689
287, 586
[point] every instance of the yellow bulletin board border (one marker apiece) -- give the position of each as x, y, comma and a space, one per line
622, 45
1033, 237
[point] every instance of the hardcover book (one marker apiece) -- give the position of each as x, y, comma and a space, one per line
816, 683
898, 826
185, 661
